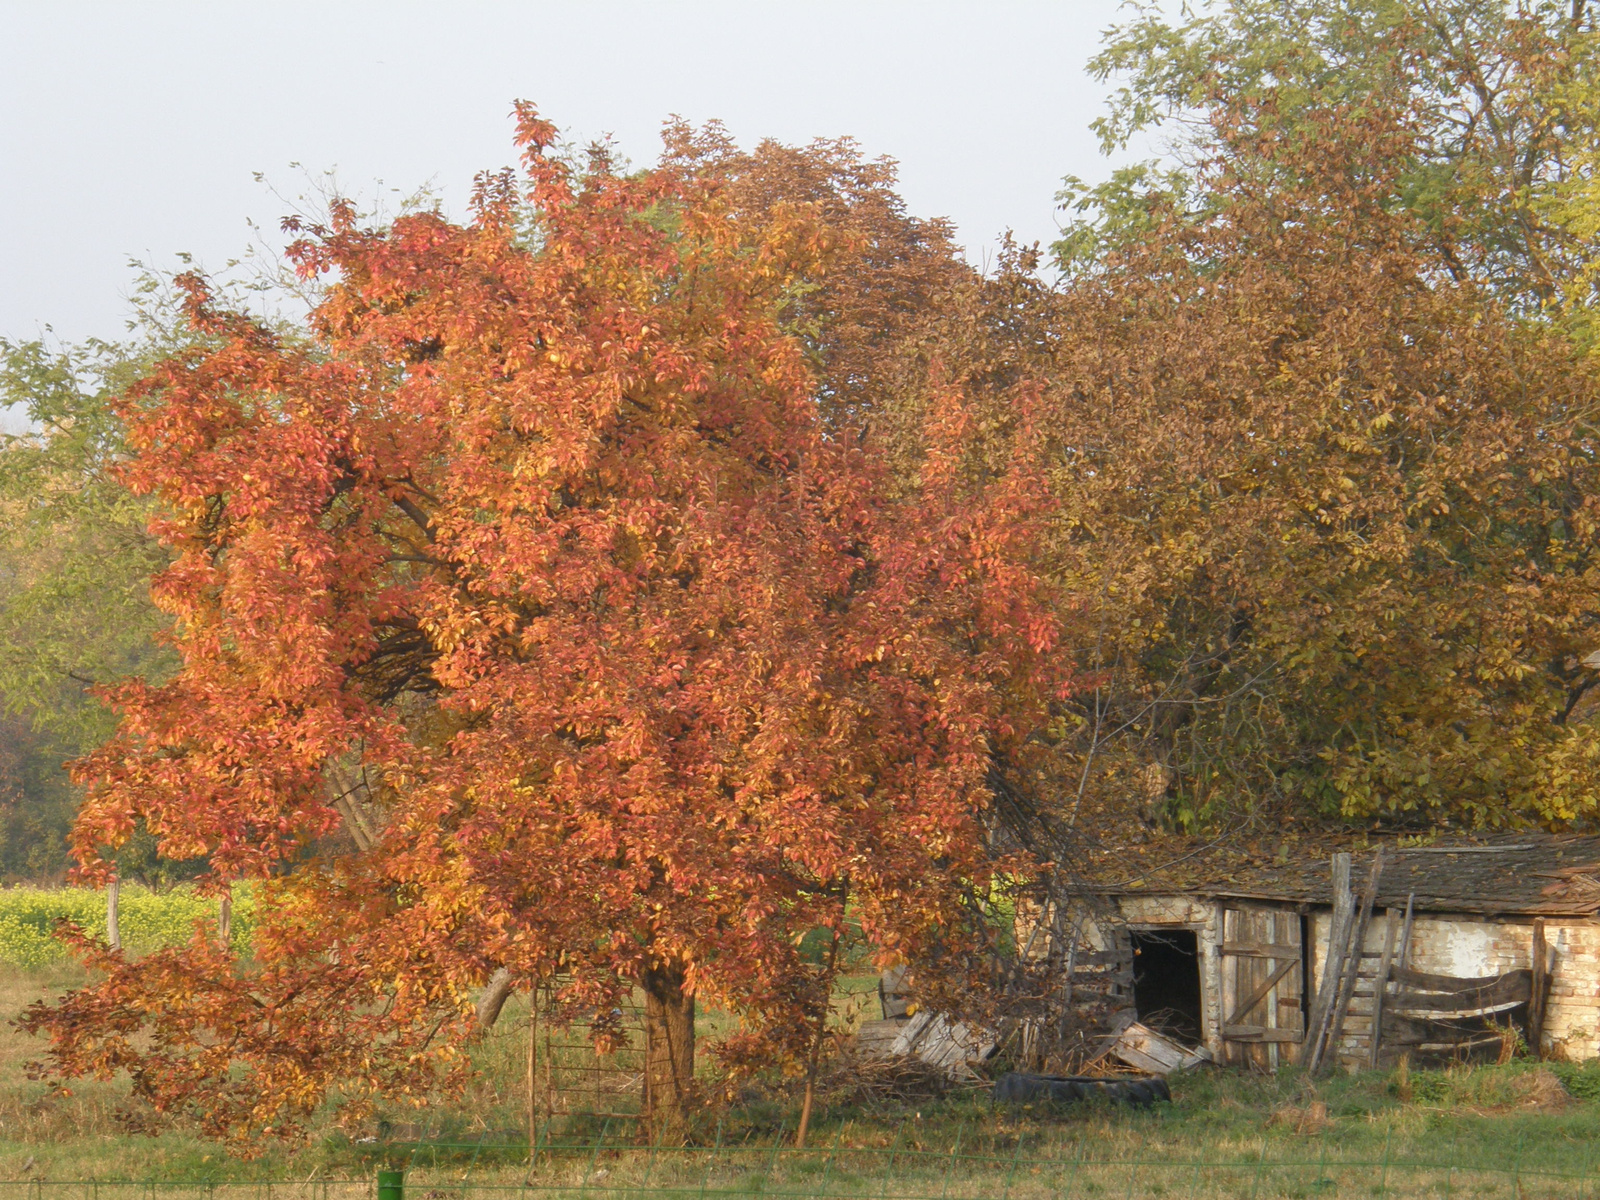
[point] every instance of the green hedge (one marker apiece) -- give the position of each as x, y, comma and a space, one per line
149, 920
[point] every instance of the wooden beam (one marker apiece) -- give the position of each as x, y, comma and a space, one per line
1333, 960
1540, 984
1261, 950
1259, 1033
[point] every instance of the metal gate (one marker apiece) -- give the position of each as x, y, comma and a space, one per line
1263, 986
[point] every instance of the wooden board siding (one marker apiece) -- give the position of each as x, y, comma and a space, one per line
1263, 978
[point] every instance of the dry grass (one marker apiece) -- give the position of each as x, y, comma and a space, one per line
883, 1137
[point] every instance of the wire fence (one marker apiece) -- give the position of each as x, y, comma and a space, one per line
606, 1171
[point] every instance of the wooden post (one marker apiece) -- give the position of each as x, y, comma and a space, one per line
1390, 920
113, 914
533, 1097
1402, 960
1540, 993
1358, 941
1333, 959
225, 918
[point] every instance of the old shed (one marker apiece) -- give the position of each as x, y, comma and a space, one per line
1449, 950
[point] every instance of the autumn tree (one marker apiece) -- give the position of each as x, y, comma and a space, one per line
543, 610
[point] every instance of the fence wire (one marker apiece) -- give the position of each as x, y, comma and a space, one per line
607, 1171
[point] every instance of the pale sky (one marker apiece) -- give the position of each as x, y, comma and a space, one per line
134, 130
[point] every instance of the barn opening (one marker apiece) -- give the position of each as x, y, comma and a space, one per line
1166, 981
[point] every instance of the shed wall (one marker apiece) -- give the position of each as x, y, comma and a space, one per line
1181, 912
1462, 946
1466, 946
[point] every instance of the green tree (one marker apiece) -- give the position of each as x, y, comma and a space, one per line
75, 565
1497, 102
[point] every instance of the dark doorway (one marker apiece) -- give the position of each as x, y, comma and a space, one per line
1166, 981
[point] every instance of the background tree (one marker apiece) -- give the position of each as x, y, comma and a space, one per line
1326, 472
1498, 100
75, 565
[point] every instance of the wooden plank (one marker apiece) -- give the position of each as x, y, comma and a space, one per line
1261, 950
1412, 1031
1424, 981
1369, 894
1333, 963
1540, 988
1259, 992
1259, 1033
1514, 987
1375, 1037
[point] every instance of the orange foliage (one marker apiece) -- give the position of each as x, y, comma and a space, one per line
548, 608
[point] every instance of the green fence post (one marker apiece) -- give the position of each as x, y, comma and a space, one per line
951, 1166
391, 1185
1255, 1184
1011, 1174
894, 1149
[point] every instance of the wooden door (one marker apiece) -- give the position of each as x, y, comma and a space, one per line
1263, 1017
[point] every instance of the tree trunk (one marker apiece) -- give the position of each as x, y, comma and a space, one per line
816, 1042
668, 1054
493, 997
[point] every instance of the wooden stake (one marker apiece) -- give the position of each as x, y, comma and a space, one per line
1402, 960
533, 1098
1541, 991
113, 916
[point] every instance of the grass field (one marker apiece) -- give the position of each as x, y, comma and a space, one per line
1522, 1129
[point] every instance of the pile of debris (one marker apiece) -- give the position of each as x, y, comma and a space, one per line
958, 1051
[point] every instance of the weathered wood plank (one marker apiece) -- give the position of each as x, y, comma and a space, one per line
1425, 982
1514, 987
1261, 950
1375, 1032
1260, 1033
1259, 992
1416, 1031
1333, 965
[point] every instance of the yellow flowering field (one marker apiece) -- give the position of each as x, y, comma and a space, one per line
148, 920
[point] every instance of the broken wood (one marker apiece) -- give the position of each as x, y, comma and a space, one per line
951, 1047
1140, 1046
1422, 981
1514, 987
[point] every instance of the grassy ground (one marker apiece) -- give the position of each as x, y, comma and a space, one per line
1456, 1133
